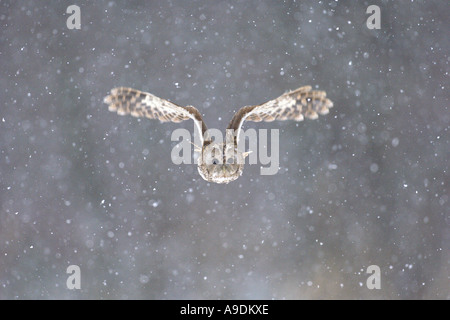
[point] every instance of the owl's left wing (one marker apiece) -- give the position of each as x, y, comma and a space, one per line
294, 105
143, 104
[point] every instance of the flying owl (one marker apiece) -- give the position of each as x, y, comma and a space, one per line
221, 162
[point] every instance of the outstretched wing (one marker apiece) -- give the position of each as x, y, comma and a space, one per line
293, 105
142, 104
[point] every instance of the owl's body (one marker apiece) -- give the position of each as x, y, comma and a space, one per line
221, 162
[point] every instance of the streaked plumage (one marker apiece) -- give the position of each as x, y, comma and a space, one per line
294, 105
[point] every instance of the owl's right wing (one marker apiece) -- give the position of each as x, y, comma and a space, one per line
143, 104
294, 105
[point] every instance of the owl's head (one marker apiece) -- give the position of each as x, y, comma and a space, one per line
220, 163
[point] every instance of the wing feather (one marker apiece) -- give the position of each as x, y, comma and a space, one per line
293, 105
137, 103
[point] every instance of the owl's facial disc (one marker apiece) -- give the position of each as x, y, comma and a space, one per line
220, 164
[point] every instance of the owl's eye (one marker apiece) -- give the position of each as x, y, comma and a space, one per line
230, 160
215, 161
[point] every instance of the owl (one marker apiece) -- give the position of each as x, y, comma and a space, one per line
221, 162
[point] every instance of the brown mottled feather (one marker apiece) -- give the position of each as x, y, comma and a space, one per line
143, 104
293, 105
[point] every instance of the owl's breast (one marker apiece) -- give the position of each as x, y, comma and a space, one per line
220, 163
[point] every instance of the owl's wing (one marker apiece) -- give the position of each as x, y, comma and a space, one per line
142, 104
293, 105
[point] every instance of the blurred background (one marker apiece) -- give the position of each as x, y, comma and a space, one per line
368, 184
